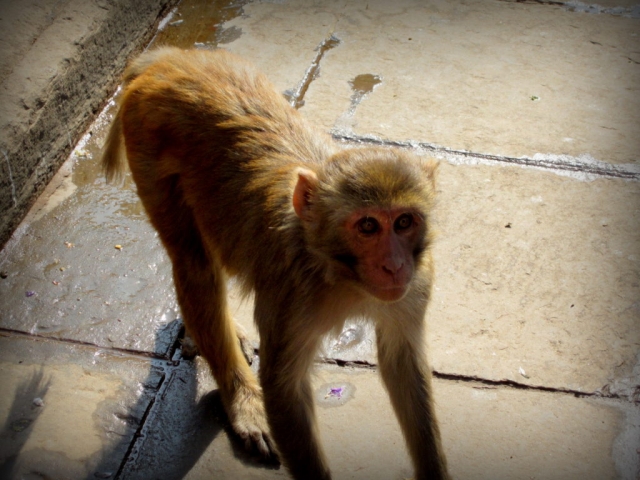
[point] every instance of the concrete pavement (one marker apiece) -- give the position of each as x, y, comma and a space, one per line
534, 331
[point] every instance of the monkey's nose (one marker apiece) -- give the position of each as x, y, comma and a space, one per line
392, 267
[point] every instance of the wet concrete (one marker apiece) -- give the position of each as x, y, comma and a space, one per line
83, 283
197, 24
534, 329
296, 96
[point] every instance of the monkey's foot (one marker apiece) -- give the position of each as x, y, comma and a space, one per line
249, 421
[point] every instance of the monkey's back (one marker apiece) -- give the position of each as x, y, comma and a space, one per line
213, 129
214, 102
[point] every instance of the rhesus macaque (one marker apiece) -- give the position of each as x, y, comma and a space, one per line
237, 183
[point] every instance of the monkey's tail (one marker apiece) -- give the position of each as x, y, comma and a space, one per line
113, 158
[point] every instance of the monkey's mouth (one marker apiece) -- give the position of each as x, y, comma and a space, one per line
388, 294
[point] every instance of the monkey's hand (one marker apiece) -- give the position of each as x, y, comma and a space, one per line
249, 421
245, 343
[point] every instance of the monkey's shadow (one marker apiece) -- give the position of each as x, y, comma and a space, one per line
210, 418
179, 428
183, 428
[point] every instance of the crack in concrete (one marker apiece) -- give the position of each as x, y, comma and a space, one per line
538, 2
581, 7
488, 383
7, 332
559, 163
296, 97
524, 386
347, 363
168, 377
139, 436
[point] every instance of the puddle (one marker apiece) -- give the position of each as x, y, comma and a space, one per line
194, 23
362, 85
93, 261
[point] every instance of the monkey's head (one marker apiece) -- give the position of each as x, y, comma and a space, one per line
366, 216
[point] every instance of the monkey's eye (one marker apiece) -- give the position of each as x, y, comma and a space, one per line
403, 222
368, 225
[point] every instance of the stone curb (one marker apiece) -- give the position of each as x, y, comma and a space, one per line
58, 88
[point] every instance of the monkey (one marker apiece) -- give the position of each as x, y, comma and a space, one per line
238, 184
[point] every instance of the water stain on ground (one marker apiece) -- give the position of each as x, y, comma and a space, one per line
362, 85
197, 23
295, 97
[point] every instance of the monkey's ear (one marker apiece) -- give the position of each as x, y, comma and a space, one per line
306, 184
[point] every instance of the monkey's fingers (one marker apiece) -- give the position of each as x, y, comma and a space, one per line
258, 440
263, 443
249, 421
274, 456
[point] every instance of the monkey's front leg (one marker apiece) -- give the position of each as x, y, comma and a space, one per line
285, 359
407, 376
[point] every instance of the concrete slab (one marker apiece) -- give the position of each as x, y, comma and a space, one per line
479, 76
551, 264
563, 233
69, 411
505, 433
567, 437
60, 60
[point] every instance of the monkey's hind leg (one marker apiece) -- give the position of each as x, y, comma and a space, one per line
201, 290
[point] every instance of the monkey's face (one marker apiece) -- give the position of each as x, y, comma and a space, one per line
365, 216
385, 243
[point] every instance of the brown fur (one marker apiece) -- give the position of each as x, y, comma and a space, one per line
237, 183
